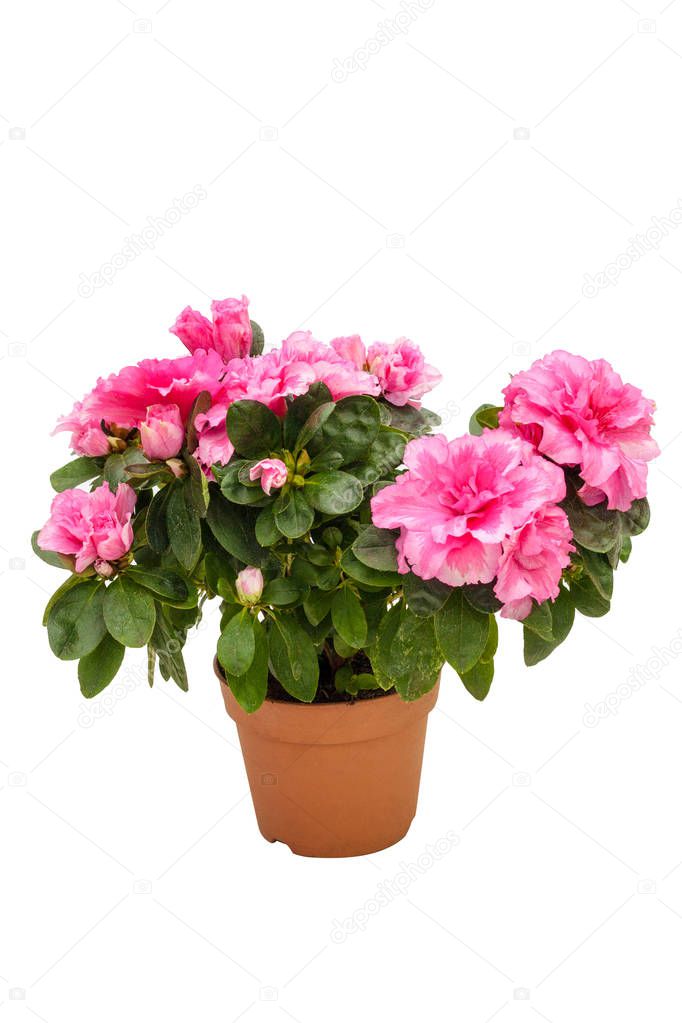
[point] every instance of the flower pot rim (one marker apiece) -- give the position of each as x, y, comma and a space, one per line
328, 723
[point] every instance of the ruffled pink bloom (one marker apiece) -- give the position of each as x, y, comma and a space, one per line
342, 376
268, 378
403, 374
87, 435
162, 433
461, 499
532, 561
230, 334
272, 472
122, 399
93, 527
580, 413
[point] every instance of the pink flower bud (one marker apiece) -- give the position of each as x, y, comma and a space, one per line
104, 569
272, 472
162, 432
249, 585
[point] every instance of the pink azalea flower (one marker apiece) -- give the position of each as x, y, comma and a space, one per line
268, 378
230, 334
400, 368
162, 433
580, 413
342, 376
461, 499
95, 526
532, 561
272, 472
214, 447
87, 435
123, 398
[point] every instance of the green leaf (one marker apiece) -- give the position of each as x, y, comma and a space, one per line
314, 422
116, 465
351, 428
479, 678
257, 339
202, 404
540, 621
168, 641
414, 421
253, 428
75, 624
167, 586
333, 493
386, 453
481, 596
587, 598
129, 612
197, 488
535, 649
376, 548
51, 557
485, 417
68, 584
301, 408
317, 605
366, 575
461, 631
293, 514
184, 527
597, 568
250, 688
267, 532
234, 529
406, 654
348, 618
235, 488
424, 597
282, 592
97, 669
157, 530
237, 644
78, 471
293, 658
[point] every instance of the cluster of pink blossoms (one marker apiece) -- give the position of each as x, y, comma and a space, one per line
580, 413
94, 528
477, 509
156, 395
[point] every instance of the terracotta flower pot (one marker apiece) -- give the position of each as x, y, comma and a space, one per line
337, 779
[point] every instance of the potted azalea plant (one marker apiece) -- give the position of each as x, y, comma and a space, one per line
353, 550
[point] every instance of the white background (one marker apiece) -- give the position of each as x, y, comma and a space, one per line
402, 200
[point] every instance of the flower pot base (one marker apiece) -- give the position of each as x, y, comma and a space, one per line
334, 780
